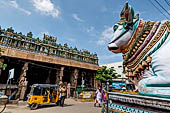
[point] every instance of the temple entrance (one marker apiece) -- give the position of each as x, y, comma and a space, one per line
66, 75
40, 74
36, 75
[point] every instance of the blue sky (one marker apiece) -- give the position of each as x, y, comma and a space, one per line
86, 24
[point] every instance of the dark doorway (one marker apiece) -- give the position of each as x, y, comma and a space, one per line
38, 74
67, 74
11, 64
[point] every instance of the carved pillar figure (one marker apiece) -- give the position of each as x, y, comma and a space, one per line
59, 75
95, 81
1, 62
22, 85
74, 77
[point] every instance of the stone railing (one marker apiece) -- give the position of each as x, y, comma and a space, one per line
139, 100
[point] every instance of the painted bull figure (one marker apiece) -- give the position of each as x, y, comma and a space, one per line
146, 52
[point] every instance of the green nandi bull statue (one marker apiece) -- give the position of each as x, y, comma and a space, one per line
146, 52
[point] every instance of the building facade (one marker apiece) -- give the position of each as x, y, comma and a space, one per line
44, 61
118, 66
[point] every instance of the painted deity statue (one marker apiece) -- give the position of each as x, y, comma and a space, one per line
145, 46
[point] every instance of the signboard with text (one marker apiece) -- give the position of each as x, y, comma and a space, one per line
87, 96
118, 85
11, 73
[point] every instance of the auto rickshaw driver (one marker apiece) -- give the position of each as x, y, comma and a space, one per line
46, 95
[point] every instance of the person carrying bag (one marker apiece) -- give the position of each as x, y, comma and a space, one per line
62, 95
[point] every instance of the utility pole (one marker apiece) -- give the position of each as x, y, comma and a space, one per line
107, 107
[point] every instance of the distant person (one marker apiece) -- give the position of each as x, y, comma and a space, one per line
104, 96
98, 97
63, 95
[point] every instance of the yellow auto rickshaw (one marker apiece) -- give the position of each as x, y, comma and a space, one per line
43, 94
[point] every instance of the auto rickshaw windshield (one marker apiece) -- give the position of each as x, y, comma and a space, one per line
35, 91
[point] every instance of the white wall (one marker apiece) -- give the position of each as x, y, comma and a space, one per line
117, 66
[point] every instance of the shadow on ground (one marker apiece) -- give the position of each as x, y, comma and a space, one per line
48, 106
11, 107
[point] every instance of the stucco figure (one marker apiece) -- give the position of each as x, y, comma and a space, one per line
146, 52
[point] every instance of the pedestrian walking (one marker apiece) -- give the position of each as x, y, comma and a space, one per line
98, 97
63, 95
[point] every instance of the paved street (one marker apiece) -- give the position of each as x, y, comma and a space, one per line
71, 106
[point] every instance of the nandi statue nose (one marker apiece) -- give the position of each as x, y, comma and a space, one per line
112, 46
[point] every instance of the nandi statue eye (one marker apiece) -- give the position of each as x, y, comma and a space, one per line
115, 27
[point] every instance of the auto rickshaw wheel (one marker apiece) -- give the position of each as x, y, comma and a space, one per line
34, 106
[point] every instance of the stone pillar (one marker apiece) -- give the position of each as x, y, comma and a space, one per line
1, 62
74, 77
59, 75
48, 77
96, 82
68, 90
91, 79
22, 85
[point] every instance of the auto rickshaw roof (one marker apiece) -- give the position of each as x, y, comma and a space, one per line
44, 85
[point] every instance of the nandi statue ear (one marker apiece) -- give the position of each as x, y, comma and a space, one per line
137, 16
127, 14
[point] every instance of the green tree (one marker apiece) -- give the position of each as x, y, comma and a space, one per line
106, 74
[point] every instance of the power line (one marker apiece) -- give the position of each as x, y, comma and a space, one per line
158, 9
167, 2
162, 7
43, 66
39, 65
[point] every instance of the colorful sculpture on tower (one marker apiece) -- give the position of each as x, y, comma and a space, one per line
48, 46
146, 52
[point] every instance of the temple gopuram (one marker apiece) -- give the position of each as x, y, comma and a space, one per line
37, 61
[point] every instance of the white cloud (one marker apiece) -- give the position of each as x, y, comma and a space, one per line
46, 7
71, 39
106, 36
92, 32
163, 21
77, 18
14, 4
90, 29
106, 57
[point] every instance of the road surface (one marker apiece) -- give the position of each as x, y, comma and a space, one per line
71, 106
